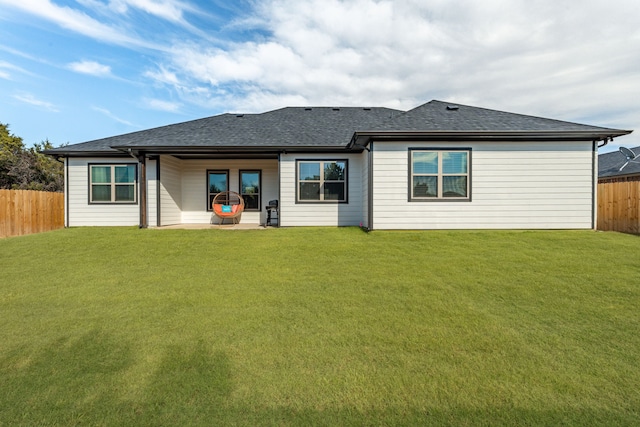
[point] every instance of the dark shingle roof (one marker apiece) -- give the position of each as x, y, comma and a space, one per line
295, 127
609, 164
445, 116
327, 128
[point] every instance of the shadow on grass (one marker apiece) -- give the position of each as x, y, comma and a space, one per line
191, 386
67, 383
79, 382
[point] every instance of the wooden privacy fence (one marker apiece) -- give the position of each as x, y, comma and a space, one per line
619, 207
26, 212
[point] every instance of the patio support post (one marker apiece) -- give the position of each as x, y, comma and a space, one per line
143, 191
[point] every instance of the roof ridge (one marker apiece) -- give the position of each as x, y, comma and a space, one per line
459, 117
521, 114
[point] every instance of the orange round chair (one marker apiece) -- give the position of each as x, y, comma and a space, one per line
228, 205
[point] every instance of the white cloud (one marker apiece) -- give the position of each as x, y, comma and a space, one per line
403, 53
565, 60
165, 9
90, 67
78, 22
28, 98
544, 58
111, 115
6, 69
168, 10
163, 75
161, 105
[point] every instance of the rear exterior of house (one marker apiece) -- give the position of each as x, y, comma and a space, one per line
438, 166
512, 185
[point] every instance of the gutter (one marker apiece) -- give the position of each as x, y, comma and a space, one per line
111, 153
231, 149
123, 151
362, 139
370, 191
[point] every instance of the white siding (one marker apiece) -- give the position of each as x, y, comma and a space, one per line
81, 213
152, 193
182, 190
194, 187
326, 214
170, 190
66, 192
543, 185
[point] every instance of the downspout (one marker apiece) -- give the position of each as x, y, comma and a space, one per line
594, 184
370, 190
594, 181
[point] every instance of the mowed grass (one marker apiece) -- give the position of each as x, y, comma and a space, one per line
319, 326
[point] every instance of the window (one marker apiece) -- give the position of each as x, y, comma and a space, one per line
439, 174
250, 189
112, 183
217, 181
322, 181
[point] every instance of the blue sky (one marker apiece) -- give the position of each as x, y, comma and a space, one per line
73, 71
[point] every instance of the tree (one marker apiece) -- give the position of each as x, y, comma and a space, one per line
11, 147
27, 168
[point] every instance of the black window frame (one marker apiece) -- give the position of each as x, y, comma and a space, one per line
242, 194
322, 181
439, 197
208, 194
112, 184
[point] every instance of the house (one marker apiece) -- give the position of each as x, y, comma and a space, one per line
614, 167
619, 191
438, 166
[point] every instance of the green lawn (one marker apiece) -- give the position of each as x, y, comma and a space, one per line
319, 326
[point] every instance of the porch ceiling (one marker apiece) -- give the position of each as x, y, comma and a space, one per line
259, 156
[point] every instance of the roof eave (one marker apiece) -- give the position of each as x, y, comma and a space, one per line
84, 153
121, 151
622, 175
226, 149
363, 138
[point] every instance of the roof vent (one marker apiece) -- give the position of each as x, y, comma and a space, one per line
307, 109
452, 107
335, 109
239, 115
367, 109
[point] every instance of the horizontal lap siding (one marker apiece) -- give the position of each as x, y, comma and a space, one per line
152, 193
81, 213
194, 186
170, 190
513, 185
321, 214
